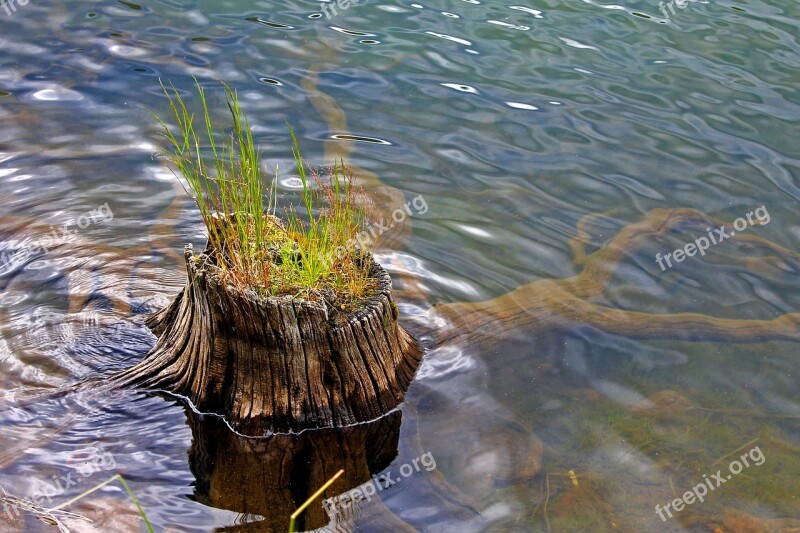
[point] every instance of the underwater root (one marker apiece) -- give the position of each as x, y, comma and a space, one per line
568, 302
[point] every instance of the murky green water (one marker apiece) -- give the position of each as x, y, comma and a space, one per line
513, 122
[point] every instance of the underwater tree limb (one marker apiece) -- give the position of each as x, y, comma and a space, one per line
384, 197
567, 302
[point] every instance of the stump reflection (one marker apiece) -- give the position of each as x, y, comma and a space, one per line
266, 479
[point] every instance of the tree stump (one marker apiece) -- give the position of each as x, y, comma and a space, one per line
278, 364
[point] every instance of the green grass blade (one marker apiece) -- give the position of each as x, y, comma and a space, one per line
100, 486
309, 501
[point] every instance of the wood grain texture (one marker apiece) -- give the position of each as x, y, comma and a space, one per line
277, 364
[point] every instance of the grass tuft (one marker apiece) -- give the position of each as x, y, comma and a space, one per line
313, 252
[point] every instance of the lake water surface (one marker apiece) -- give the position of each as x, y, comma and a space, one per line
537, 133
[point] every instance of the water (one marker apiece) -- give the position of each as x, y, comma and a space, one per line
513, 122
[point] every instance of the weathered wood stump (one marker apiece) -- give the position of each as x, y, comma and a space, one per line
277, 364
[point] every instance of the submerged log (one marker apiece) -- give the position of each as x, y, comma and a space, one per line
277, 364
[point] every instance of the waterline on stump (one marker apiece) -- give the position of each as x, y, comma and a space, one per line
276, 364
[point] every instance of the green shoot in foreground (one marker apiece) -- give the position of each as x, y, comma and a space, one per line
313, 254
56, 515
309, 501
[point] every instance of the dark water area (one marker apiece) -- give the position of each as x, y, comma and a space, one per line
574, 379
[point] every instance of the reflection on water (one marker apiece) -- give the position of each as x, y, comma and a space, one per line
514, 122
265, 480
